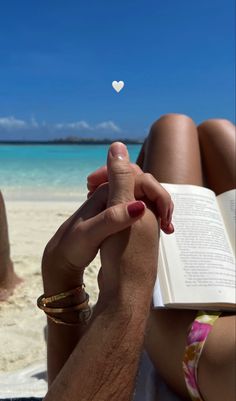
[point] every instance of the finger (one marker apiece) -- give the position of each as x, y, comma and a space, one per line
170, 213
110, 221
95, 204
120, 175
147, 186
100, 176
169, 229
97, 177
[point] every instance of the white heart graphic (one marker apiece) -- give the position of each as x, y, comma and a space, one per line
118, 85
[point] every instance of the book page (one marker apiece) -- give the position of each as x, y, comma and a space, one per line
161, 291
227, 205
157, 295
201, 266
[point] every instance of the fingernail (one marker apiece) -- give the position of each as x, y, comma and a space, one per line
118, 150
135, 209
169, 229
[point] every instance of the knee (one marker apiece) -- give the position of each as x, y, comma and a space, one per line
211, 126
170, 119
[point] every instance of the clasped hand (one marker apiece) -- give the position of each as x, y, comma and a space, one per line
117, 219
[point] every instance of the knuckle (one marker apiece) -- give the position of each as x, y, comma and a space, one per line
110, 216
122, 169
136, 169
79, 228
123, 196
168, 198
81, 232
164, 201
149, 177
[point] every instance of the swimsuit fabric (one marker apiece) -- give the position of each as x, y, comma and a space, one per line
196, 339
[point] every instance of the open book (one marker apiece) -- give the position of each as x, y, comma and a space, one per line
196, 265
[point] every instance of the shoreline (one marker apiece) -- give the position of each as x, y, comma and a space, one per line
45, 194
75, 141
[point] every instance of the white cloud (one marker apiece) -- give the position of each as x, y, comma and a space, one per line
108, 126
77, 125
11, 122
84, 125
34, 123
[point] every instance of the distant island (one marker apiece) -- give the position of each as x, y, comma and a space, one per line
72, 140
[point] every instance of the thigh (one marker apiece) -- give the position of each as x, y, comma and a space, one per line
165, 343
171, 154
171, 151
218, 146
217, 365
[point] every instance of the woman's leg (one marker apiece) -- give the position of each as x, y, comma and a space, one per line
218, 149
172, 154
8, 279
172, 151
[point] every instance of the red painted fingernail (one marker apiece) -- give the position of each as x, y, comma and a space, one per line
136, 209
170, 228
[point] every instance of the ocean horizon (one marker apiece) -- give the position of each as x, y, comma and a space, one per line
51, 172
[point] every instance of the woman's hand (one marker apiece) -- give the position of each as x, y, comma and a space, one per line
77, 241
146, 188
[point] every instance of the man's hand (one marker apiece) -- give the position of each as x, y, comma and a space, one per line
128, 258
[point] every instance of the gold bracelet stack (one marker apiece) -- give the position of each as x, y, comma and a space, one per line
81, 313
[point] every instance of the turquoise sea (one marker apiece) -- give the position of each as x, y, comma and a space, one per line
50, 172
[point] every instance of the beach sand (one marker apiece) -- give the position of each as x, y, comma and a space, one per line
31, 225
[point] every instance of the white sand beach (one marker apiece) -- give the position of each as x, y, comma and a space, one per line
31, 225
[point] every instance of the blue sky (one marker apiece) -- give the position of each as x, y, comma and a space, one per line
58, 59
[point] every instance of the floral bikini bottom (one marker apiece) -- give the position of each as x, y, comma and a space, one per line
196, 338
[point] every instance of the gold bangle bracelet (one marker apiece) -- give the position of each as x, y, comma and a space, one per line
83, 318
70, 293
41, 304
81, 313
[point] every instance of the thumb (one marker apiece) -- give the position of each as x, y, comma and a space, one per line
120, 175
112, 220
